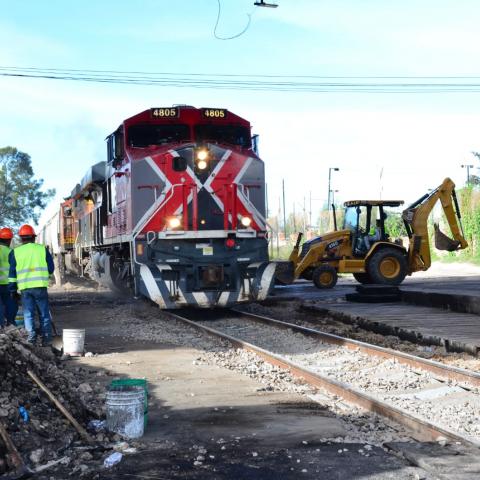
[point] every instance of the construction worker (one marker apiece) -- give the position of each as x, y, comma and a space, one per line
8, 306
30, 267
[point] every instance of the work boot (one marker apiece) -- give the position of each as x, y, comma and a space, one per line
46, 342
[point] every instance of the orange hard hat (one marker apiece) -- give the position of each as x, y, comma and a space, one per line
26, 231
6, 233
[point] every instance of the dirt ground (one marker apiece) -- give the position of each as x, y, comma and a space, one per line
212, 421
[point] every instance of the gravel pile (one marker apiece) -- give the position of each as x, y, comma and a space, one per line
452, 407
37, 428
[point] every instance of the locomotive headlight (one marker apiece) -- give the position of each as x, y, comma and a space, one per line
202, 164
246, 221
202, 155
173, 222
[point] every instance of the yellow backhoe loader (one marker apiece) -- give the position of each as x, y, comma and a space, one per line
367, 252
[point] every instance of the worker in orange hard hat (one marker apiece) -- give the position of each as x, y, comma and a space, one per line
30, 267
8, 306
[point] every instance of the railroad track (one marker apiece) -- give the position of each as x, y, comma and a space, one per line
431, 399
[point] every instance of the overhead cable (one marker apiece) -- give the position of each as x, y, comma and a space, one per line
257, 82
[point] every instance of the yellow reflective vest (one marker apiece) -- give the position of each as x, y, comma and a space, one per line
32, 268
4, 265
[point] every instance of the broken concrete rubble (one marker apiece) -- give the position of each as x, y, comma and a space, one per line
45, 435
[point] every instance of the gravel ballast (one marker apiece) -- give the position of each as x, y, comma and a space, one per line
447, 404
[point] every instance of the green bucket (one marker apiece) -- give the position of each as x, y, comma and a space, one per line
135, 382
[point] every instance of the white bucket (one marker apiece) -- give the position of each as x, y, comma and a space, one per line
125, 405
73, 341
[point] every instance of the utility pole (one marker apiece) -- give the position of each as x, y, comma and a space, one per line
278, 229
335, 169
304, 217
294, 220
284, 214
310, 212
333, 195
468, 167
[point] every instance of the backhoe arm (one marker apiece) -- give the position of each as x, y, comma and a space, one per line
416, 216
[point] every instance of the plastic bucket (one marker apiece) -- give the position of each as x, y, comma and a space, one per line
135, 382
19, 322
73, 341
124, 406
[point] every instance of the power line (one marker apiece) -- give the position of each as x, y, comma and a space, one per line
257, 82
253, 75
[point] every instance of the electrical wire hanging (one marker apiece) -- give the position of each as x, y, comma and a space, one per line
249, 15
258, 82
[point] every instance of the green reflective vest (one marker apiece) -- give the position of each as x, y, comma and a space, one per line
32, 269
4, 266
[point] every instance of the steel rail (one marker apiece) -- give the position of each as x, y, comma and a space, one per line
421, 429
444, 371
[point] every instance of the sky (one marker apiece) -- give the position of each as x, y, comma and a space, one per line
393, 145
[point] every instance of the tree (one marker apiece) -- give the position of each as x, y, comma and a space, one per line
21, 196
475, 179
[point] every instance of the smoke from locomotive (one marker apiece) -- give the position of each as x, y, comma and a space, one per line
176, 213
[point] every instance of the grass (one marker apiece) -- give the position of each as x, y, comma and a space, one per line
282, 254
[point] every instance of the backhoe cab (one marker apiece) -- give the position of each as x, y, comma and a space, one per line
363, 247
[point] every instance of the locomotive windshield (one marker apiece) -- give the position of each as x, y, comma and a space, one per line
232, 134
148, 134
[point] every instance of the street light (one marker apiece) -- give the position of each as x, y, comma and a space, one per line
468, 167
335, 169
333, 195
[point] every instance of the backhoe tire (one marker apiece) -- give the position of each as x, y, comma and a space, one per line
387, 266
308, 274
363, 278
325, 276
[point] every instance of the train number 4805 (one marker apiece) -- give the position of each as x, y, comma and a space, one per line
214, 112
165, 112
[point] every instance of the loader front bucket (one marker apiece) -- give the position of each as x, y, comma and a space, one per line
284, 273
443, 242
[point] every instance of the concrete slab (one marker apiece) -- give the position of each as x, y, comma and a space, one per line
445, 462
428, 319
202, 400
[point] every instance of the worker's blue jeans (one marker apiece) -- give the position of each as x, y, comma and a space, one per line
8, 307
34, 299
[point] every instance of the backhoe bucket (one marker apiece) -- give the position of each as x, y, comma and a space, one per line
284, 273
443, 242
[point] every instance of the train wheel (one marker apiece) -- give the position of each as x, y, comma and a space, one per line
387, 266
325, 276
363, 278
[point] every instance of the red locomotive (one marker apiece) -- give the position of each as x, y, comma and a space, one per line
176, 213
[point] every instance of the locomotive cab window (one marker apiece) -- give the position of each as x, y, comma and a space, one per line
115, 151
142, 136
231, 134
